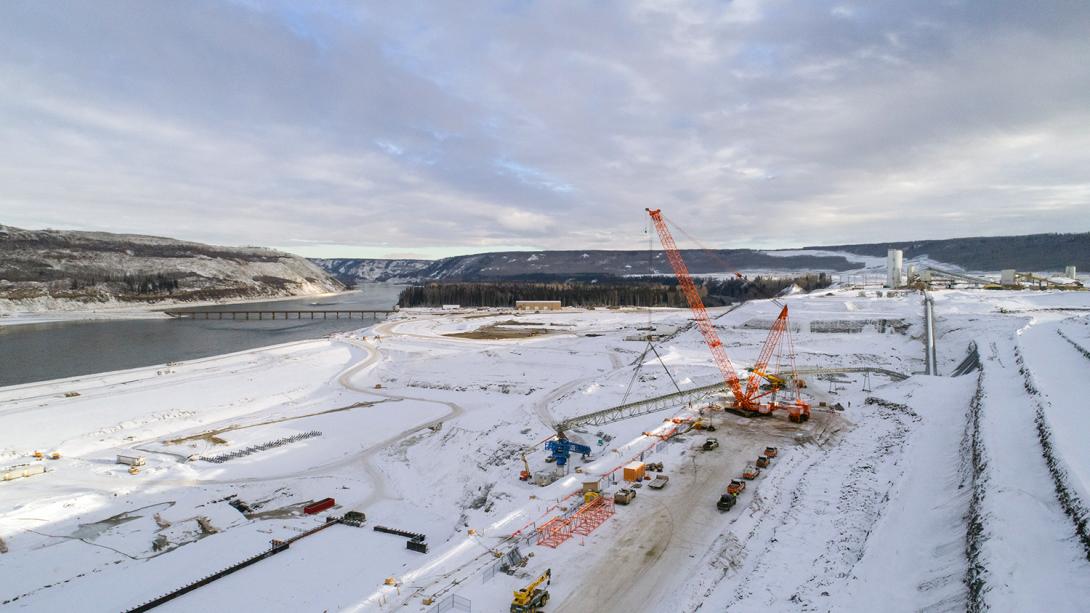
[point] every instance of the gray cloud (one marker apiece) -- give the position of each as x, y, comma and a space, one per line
444, 127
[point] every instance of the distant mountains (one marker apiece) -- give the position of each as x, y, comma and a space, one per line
1029, 252
50, 265
1035, 252
561, 265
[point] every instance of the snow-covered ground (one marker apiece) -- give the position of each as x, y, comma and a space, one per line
929, 493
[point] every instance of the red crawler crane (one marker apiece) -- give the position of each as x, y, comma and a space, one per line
747, 400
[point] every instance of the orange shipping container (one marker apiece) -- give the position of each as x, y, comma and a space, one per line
634, 471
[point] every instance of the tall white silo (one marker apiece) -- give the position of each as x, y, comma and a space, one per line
894, 259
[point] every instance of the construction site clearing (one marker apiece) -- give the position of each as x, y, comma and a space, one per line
902, 491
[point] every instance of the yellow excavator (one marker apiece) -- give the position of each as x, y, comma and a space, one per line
532, 598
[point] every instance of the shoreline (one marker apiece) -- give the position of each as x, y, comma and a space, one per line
123, 311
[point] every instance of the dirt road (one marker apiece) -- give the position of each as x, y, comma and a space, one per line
661, 530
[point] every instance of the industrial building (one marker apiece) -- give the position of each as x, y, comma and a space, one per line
537, 305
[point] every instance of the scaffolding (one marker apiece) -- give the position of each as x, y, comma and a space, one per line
583, 521
592, 514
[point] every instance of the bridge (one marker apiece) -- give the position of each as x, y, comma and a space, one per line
262, 314
647, 406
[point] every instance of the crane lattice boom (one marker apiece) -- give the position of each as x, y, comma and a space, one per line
700, 314
746, 400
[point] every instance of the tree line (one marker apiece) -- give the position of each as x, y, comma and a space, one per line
618, 292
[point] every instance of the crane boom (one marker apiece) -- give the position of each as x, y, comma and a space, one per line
761, 365
700, 314
745, 400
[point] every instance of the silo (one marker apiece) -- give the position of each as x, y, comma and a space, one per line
894, 258
911, 273
1006, 277
1070, 272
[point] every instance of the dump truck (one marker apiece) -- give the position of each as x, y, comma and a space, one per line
751, 472
762, 462
711, 443
624, 496
771, 452
532, 598
736, 487
659, 482
726, 502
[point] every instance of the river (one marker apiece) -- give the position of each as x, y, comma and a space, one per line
37, 352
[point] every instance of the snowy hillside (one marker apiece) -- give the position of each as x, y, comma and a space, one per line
53, 269
354, 271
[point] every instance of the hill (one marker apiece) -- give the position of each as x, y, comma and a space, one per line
45, 265
1030, 252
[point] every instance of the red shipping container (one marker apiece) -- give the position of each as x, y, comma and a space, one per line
319, 506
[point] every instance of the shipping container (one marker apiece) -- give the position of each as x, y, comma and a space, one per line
131, 460
634, 471
319, 506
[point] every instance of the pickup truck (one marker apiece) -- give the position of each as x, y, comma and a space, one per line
726, 502
751, 472
711, 443
659, 482
736, 487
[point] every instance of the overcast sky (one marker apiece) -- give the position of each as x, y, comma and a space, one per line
392, 129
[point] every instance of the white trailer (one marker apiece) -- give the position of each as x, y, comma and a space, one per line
131, 460
18, 472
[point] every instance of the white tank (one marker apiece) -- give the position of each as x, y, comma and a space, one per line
1070, 272
894, 259
1006, 276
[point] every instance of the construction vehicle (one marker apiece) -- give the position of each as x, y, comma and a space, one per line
659, 482
726, 502
624, 496
56, 455
532, 598
747, 401
703, 424
771, 452
525, 474
711, 443
562, 449
589, 496
762, 462
751, 472
737, 486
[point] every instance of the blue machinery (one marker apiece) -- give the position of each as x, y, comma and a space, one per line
562, 448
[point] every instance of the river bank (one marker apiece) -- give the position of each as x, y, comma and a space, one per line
50, 345
51, 310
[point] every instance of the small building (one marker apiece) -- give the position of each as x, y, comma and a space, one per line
131, 460
537, 305
451, 307
1007, 277
634, 471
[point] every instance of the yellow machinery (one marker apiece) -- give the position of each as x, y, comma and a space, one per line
532, 598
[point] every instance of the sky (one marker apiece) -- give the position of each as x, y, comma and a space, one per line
428, 129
